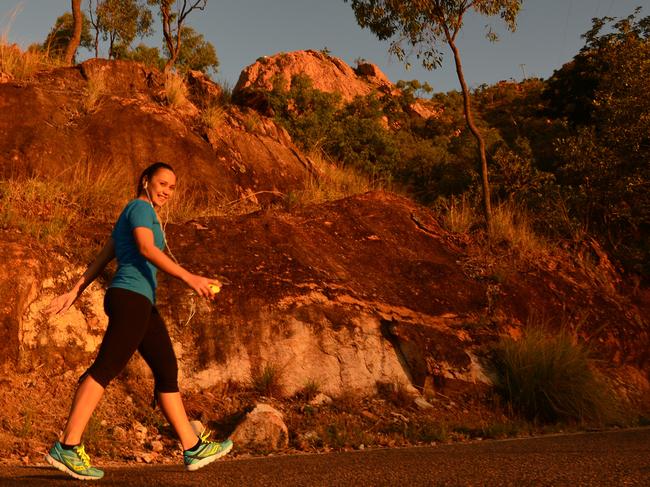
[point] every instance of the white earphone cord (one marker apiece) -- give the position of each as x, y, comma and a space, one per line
169, 250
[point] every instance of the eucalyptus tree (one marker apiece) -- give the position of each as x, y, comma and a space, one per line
62, 32
173, 14
425, 25
120, 22
196, 53
75, 39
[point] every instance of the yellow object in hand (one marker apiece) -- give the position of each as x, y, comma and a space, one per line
214, 288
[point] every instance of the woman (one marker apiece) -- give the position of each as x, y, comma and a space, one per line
134, 324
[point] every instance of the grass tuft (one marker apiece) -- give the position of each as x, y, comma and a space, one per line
94, 91
226, 91
511, 225
550, 378
212, 116
310, 390
175, 90
267, 381
459, 216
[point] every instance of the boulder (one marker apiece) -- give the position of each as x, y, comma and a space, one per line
328, 73
203, 91
262, 429
321, 399
122, 78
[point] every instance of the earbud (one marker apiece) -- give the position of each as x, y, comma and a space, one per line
146, 182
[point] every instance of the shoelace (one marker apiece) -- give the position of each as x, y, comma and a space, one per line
83, 455
205, 434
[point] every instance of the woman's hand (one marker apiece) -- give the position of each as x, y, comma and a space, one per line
62, 303
202, 284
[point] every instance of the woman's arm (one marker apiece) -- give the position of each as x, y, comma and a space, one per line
61, 303
145, 241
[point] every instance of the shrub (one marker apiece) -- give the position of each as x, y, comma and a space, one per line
550, 378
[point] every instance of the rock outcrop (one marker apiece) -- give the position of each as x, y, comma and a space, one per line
328, 73
350, 294
51, 126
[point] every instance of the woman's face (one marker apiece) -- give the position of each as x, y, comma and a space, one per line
161, 186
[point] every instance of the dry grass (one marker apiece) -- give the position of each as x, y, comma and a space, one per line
94, 91
212, 116
332, 182
511, 225
19, 65
189, 203
459, 216
175, 90
49, 209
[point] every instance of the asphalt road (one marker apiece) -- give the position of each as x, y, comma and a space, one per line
618, 458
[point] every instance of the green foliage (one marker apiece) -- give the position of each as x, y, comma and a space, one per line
376, 135
424, 25
195, 53
149, 56
550, 379
120, 22
173, 16
602, 164
307, 114
57, 40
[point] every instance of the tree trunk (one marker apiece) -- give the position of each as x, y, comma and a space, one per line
167, 35
487, 206
76, 35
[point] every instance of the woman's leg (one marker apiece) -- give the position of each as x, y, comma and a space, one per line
84, 403
157, 350
128, 316
173, 409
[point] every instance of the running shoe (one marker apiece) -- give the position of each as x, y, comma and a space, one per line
75, 462
206, 452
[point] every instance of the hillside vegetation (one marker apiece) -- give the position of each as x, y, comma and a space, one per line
570, 152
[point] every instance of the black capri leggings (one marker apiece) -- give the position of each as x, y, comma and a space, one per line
134, 324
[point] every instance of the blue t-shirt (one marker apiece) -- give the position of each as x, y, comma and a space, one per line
134, 272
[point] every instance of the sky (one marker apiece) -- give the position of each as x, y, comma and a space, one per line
548, 35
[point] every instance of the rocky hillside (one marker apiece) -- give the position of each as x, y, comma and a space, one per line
348, 294
115, 115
